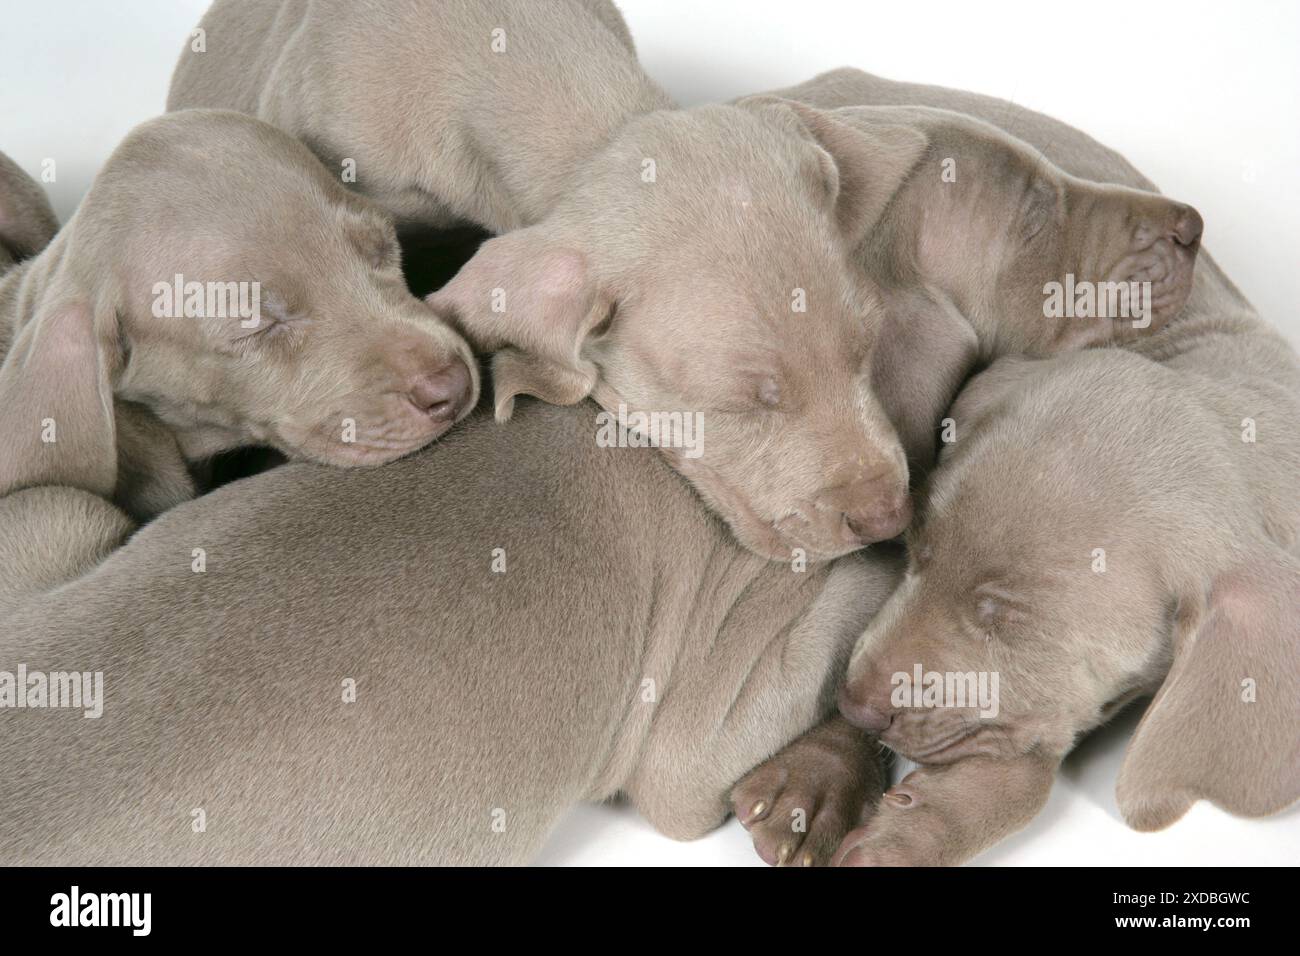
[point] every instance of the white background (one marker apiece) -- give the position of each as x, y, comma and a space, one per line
1204, 98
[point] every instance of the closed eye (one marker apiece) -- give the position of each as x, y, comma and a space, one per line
997, 608
263, 327
749, 387
735, 406
274, 320
251, 329
748, 402
266, 334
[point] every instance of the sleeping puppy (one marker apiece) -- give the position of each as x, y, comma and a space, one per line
445, 589
1105, 527
237, 294
987, 222
987, 230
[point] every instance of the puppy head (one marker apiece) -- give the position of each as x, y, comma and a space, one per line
1003, 637
1039, 261
260, 302
1049, 562
700, 269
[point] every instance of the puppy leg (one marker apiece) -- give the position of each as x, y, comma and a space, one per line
798, 805
49, 536
944, 815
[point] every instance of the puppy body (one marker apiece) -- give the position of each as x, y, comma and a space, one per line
452, 112
602, 634
1150, 547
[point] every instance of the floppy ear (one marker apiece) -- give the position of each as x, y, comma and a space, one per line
56, 405
533, 303
924, 353
1225, 725
862, 165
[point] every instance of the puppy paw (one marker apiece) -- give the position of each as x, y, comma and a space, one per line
945, 815
798, 805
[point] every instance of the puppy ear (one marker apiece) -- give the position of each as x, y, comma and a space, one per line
56, 405
1223, 726
27, 223
923, 354
861, 165
534, 303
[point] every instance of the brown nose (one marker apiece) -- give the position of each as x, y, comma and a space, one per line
443, 394
861, 712
1187, 227
881, 521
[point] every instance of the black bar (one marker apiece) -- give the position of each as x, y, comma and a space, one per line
556, 909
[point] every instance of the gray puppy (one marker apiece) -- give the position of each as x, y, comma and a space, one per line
981, 227
236, 294
1106, 525
1146, 547
989, 217
424, 663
